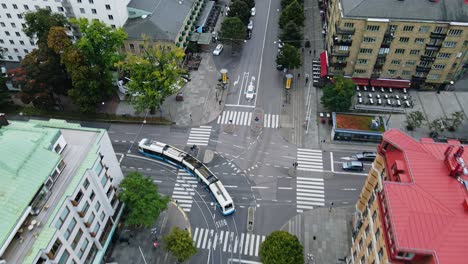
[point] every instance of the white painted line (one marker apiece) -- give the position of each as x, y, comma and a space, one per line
225, 241
230, 186
311, 203
235, 245
310, 199
233, 260
310, 191
208, 246
349, 189
259, 187
157, 181
318, 195
247, 241
205, 127
304, 207
249, 119
332, 165
258, 245
239, 105
263, 238
241, 243
310, 179
205, 239
308, 150
277, 121
215, 241
219, 119
199, 238
221, 235
310, 183
300, 186
195, 234
234, 118
304, 169
284, 188
252, 244
223, 119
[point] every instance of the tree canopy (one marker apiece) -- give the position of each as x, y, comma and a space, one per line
233, 29
293, 12
280, 247
39, 23
141, 196
337, 95
154, 75
289, 57
292, 34
414, 120
285, 3
241, 10
180, 244
250, 3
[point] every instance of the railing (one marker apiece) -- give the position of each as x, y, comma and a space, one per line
344, 31
428, 58
338, 64
433, 46
438, 35
423, 69
375, 75
342, 53
342, 42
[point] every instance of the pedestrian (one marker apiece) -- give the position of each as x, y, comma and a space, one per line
307, 78
310, 52
219, 102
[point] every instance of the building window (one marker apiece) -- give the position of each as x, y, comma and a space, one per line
104, 180
26, 7
2, 24
438, 66
400, 51
62, 218
423, 28
404, 39
408, 28
78, 197
455, 32
7, 33
83, 248
98, 168
16, 50
96, 228
93, 10
381, 253
377, 233
85, 208
414, 52
362, 61
4, 6
91, 218
373, 28
18, 34
91, 197
97, 206
406, 73
369, 40
410, 63
13, 25
20, 16
396, 62
77, 238
363, 260
15, 6
433, 76
55, 249
367, 230
91, 1
25, 50
60, 9
86, 184
78, 1
8, 15
419, 40
369, 249
70, 228
360, 244
82, 11
392, 71
449, 44
365, 51
444, 55
103, 215
108, 7
111, 17
359, 71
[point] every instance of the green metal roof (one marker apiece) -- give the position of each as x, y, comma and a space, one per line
25, 163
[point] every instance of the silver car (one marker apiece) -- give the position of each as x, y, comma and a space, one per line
353, 166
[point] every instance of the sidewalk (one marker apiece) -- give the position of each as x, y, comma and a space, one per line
136, 245
325, 234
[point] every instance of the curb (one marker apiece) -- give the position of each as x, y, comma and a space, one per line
184, 214
168, 123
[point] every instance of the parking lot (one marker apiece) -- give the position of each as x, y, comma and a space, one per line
382, 99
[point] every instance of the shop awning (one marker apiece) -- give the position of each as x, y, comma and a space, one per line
361, 81
323, 64
390, 83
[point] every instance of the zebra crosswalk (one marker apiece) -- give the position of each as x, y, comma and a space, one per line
309, 160
227, 241
242, 118
184, 190
199, 136
309, 193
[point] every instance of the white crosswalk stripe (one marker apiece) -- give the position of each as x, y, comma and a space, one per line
184, 189
309, 160
242, 118
227, 241
199, 136
309, 193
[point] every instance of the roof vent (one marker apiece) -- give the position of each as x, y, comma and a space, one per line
3, 120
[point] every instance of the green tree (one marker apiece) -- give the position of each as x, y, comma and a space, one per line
250, 3
292, 34
437, 126
285, 3
241, 10
289, 57
293, 12
414, 120
233, 29
337, 96
143, 201
455, 121
39, 23
4, 95
154, 76
280, 247
180, 244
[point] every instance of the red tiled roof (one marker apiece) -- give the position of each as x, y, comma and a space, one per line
427, 215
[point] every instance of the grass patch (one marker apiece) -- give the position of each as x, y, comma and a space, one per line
357, 122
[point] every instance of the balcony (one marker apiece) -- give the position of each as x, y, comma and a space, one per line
438, 35
74, 203
375, 75
382, 55
427, 58
423, 69
344, 31
341, 53
342, 42
335, 72
435, 47
389, 33
379, 65
338, 64
81, 214
92, 234
418, 78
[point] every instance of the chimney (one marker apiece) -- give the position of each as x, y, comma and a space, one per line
3, 120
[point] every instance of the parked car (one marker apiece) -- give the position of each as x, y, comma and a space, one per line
280, 44
252, 11
353, 166
218, 49
249, 94
250, 25
366, 156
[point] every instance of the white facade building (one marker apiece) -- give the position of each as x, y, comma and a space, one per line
17, 44
61, 205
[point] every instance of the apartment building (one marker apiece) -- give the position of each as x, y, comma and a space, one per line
413, 207
58, 198
16, 44
421, 43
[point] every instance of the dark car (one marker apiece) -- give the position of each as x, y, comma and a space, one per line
366, 156
353, 166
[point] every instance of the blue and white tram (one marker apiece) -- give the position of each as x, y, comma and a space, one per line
185, 161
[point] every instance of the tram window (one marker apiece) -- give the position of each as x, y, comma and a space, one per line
229, 206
